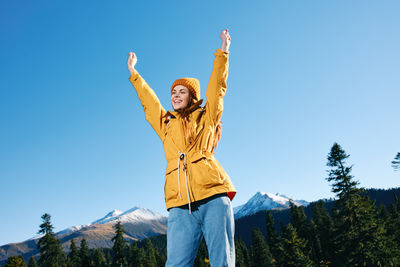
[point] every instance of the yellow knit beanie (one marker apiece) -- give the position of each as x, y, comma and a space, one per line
190, 83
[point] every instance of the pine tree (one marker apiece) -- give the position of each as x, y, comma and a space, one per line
273, 238
383, 213
294, 249
394, 220
359, 238
160, 258
242, 254
98, 258
109, 258
239, 260
51, 254
396, 162
315, 241
84, 254
150, 258
32, 262
15, 261
392, 224
261, 256
323, 227
136, 255
74, 259
119, 246
298, 220
304, 231
339, 173
245, 252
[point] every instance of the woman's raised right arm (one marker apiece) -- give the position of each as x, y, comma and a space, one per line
153, 109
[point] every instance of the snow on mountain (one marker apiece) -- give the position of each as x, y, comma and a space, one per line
62, 232
108, 217
260, 201
35, 237
72, 229
138, 223
134, 215
265, 201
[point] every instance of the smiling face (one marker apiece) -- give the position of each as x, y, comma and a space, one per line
180, 97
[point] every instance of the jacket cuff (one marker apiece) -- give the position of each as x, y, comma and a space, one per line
134, 76
221, 53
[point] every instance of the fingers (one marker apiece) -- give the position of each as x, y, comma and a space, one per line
225, 34
131, 55
132, 60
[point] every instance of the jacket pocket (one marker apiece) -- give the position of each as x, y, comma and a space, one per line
171, 185
206, 174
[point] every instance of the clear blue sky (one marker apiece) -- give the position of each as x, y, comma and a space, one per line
303, 74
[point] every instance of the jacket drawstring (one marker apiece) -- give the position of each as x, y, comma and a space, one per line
179, 181
183, 156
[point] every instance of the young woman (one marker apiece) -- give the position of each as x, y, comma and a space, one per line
198, 192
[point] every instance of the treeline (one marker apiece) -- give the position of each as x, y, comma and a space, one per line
354, 232
150, 252
122, 254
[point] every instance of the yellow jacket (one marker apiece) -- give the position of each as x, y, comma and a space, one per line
203, 176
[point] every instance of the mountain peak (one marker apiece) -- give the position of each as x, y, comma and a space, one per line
135, 214
266, 201
112, 214
139, 214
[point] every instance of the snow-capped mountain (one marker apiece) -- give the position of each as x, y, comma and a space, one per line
138, 223
265, 201
133, 215
109, 216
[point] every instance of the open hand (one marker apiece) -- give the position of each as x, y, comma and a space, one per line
226, 40
132, 60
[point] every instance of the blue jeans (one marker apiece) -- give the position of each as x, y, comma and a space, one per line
213, 219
